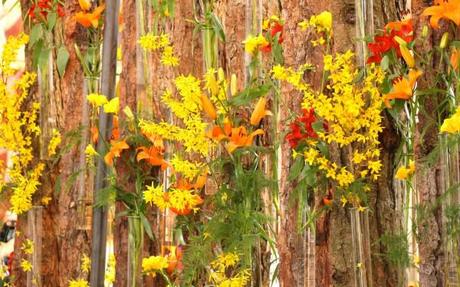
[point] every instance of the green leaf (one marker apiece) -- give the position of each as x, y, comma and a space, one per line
249, 94
296, 168
52, 19
217, 25
43, 58
35, 34
385, 63
147, 227
36, 53
62, 60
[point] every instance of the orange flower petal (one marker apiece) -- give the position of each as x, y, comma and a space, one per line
208, 107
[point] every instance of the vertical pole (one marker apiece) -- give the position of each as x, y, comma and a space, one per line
109, 53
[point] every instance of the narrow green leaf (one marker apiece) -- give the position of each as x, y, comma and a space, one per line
52, 19
62, 60
296, 168
35, 34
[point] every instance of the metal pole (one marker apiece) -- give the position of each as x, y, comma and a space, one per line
108, 74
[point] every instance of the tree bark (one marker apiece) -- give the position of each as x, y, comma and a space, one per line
63, 244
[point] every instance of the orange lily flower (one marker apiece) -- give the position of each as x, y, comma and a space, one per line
153, 156
454, 58
402, 89
174, 256
208, 107
259, 112
399, 25
85, 5
449, 9
90, 19
237, 137
116, 149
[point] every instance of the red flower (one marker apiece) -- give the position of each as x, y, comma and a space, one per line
275, 28
302, 128
384, 43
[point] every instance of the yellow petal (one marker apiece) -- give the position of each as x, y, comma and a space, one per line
259, 112
208, 107
407, 55
85, 5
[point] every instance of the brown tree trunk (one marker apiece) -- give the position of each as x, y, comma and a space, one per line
428, 178
63, 244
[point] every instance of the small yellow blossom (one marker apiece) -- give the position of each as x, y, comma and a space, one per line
78, 283
252, 44
26, 266
54, 142
112, 106
28, 246
97, 100
452, 124
85, 263
154, 264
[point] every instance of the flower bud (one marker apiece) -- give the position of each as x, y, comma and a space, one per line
424, 31
444, 40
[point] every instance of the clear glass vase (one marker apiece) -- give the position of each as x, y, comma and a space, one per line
86, 175
450, 178
47, 116
361, 247
135, 246
35, 234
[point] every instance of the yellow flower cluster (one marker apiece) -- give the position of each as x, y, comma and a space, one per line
187, 109
217, 88
85, 263
10, 53
151, 42
26, 266
178, 199
97, 100
54, 142
252, 44
153, 264
78, 283
404, 172
27, 246
352, 113
18, 128
24, 188
452, 124
110, 271
220, 275
322, 22
188, 169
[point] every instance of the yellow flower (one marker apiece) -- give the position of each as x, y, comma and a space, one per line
97, 100
54, 142
26, 266
407, 55
452, 124
253, 44
28, 246
154, 194
168, 58
78, 283
153, 264
322, 22
85, 263
85, 5
112, 106
404, 172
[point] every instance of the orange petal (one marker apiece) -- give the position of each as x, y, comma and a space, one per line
259, 112
208, 107
407, 56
